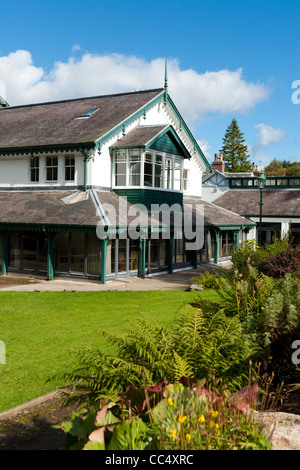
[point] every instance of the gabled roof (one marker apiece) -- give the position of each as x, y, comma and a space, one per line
59, 124
218, 217
147, 137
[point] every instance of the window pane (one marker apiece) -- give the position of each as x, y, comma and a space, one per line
110, 256
148, 169
133, 255
158, 172
134, 171
122, 256
29, 250
177, 175
168, 173
62, 252
77, 252
43, 251
120, 169
15, 250
34, 169
94, 255
69, 168
51, 168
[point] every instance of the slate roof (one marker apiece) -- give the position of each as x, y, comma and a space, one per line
56, 207
276, 202
216, 216
56, 124
139, 136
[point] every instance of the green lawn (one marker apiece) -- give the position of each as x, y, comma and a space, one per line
42, 332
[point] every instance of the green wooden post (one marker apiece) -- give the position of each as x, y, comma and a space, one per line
235, 240
170, 254
216, 254
50, 255
104, 243
4, 237
142, 257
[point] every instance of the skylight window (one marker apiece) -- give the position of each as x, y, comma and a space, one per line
89, 113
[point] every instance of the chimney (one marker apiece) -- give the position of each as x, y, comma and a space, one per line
218, 163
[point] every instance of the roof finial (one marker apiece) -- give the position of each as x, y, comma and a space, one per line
166, 74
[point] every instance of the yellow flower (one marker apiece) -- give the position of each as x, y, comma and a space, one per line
217, 426
201, 419
170, 402
213, 413
188, 438
182, 419
173, 433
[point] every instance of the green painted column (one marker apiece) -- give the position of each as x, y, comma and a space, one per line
235, 240
50, 255
4, 238
104, 243
142, 258
170, 254
216, 254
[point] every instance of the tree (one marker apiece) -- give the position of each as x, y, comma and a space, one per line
275, 168
293, 169
234, 150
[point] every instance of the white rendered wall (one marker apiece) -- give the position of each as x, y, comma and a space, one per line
15, 171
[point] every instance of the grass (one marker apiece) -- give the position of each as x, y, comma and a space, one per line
43, 331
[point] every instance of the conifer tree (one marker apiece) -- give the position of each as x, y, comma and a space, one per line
234, 150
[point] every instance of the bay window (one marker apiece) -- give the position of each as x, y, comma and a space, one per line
151, 170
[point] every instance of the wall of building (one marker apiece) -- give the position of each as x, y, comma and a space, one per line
15, 171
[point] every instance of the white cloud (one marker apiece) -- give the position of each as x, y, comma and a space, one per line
195, 94
267, 135
205, 146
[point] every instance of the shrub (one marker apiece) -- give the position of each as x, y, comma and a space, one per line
169, 417
279, 263
247, 255
198, 345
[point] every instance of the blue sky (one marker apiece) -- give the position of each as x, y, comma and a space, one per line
226, 59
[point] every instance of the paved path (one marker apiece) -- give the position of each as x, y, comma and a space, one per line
176, 280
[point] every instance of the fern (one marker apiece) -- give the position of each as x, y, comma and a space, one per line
198, 345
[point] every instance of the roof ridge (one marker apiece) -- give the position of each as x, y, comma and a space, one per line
46, 103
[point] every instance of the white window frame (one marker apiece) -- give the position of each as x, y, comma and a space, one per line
164, 158
70, 167
52, 167
35, 168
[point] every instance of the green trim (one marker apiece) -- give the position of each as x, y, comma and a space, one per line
46, 149
48, 228
121, 126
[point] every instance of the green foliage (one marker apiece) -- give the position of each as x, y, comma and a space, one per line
275, 168
198, 345
235, 152
247, 254
181, 416
208, 280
